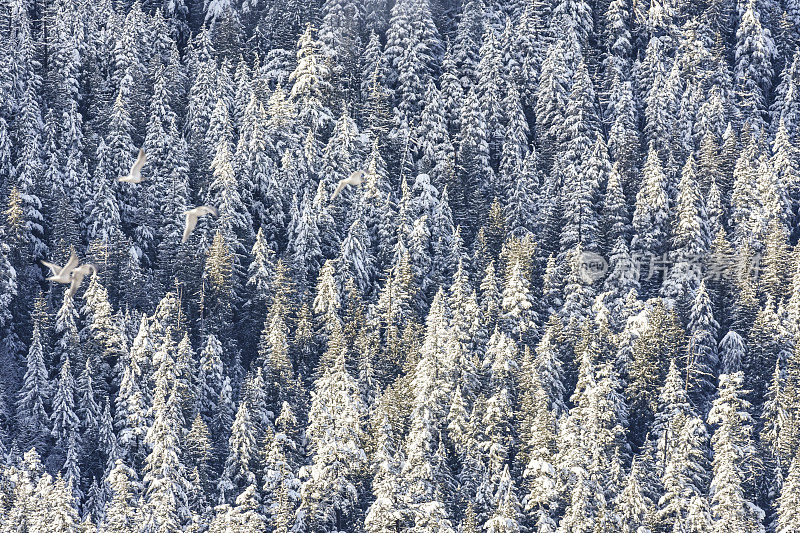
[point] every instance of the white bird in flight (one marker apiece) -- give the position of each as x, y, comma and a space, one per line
135, 174
62, 274
191, 218
77, 277
356, 178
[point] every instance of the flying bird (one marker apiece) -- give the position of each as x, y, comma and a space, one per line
62, 274
191, 218
356, 178
77, 277
135, 174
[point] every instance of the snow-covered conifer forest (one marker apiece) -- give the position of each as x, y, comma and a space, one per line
501, 266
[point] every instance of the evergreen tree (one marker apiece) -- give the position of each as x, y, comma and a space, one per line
386, 511
731, 353
661, 338
634, 507
121, 510
767, 345
412, 48
507, 516
788, 500
550, 365
166, 489
651, 216
474, 156
330, 493
310, 82
34, 395
754, 52
690, 239
576, 18
540, 472
341, 31
65, 421
614, 216
517, 311
304, 241
733, 452
197, 453
241, 451
703, 358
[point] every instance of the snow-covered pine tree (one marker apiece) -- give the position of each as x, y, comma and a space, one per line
102, 336
661, 338
651, 215
310, 82
540, 473
238, 473
518, 315
332, 488
34, 395
702, 357
423, 492
121, 510
755, 50
768, 344
731, 505
65, 421
690, 240
340, 31
304, 242
384, 514
508, 513
731, 353
166, 492
197, 458
574, 18
474, 159
634, 508
413, 46
789, 499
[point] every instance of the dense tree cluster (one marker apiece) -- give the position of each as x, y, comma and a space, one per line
427, 352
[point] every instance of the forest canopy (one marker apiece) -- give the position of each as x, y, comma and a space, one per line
390, 266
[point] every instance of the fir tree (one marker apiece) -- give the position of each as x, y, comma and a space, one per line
34, 394
330, 494
386, 511
237, 474
121, 510
703, 359
310, 85
650, 218
166, 485
733, 450
65, 421
788, 500
754, 52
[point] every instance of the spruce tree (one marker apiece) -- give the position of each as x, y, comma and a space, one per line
237, 474
754, 52
310, 82
34, 395
734, 451
384, 513
121, 510
703, 359
788, 501
330, 494
166, 500
651, 216
65, 421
